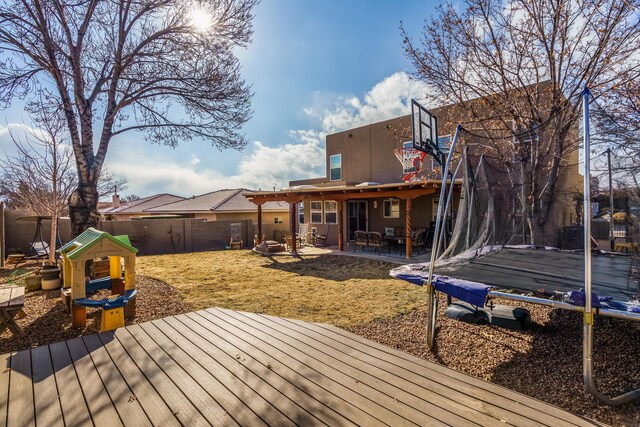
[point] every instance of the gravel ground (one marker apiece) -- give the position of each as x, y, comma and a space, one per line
48, 322
545, 363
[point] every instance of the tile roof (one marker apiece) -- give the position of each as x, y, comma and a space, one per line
140, 205
218, 201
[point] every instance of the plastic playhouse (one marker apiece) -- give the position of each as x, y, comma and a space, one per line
91, 245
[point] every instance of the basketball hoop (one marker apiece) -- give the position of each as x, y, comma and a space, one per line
411, 160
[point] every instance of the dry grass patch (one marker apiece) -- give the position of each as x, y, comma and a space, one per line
334, 289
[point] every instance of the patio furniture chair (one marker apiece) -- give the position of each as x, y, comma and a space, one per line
303, 234
361, 240
321, 239
418, 241
376, 241
236, 242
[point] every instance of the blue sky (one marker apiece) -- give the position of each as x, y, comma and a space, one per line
316, 67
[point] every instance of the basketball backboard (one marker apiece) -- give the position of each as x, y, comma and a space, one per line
424, 129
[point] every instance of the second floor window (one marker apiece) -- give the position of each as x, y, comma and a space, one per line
335, 167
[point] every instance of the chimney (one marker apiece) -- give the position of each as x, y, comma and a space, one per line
115, 201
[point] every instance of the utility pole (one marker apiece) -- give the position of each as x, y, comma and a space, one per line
611, 238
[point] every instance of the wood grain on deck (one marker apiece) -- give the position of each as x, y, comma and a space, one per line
223, 367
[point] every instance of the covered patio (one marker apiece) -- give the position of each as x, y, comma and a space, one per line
342, 194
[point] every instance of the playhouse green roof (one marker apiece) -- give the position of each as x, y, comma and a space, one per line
90, 238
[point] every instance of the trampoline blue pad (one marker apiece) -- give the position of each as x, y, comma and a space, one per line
465, 290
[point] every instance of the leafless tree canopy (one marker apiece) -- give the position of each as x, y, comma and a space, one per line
40, 177
116, 66
528, 60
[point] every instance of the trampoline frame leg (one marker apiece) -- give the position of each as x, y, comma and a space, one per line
587, 339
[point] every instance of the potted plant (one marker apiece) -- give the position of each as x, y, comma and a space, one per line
50, 276
33, 283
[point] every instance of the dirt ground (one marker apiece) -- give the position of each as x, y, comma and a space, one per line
48, 322
358, 295
545, 362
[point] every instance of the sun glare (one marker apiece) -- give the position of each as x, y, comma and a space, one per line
201, 19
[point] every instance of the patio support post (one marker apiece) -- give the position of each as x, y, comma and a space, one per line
259, 223
407, 241
293, 213
340, 225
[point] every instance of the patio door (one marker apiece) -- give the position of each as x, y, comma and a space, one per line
357, 216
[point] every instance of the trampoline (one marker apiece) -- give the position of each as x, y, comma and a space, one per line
475, 263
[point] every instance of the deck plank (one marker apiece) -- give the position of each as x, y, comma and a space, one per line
124, 401
224, 367
45, 390
301, 377
334, 392
210, 409
179, 404
291, 400
209, 367
220, 393
74, 406
417, 381
152, 403
514, 400
100, 405
5, 373
356, 378
21, 410
430, 396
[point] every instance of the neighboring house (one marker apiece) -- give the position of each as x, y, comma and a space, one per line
136, 209
364, 190
223, 205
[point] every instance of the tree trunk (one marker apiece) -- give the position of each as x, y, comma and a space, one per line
83, 203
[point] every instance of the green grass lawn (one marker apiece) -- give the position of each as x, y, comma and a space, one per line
340, 290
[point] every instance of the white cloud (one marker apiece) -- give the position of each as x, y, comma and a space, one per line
387, 99
265, 166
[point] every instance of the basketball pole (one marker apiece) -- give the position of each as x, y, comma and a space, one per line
432, 297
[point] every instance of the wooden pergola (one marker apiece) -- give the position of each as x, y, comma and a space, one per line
406, 191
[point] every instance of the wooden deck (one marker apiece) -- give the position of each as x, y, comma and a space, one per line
222, 367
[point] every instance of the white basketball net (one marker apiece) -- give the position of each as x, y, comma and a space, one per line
411, 160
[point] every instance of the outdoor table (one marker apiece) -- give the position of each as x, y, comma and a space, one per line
11, 304
397, 242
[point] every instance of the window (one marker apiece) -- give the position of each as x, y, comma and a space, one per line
391, 208
277, 220
330, 212
444, 143
335, 167
316, 212
301, 213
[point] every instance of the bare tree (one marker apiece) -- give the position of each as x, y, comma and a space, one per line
40, 177
517, 67
164, 67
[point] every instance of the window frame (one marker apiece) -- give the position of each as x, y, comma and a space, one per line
391, 201
339, 156
300, 213
316, 211
330, 211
